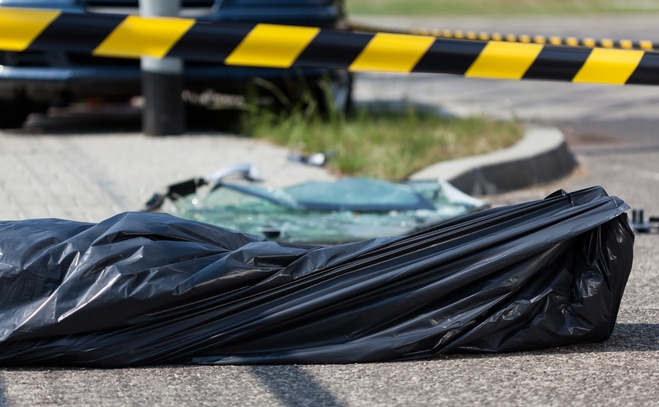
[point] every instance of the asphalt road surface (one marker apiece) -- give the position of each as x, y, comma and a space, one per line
617, 148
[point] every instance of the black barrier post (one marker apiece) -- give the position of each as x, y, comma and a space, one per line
162, 81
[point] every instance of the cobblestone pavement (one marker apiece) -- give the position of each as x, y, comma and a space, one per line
90, 177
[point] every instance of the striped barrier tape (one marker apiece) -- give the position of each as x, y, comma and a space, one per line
278, 46
523, 38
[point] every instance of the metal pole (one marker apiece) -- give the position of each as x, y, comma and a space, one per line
162, 81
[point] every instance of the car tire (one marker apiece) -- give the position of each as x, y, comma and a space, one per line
335, 94
13, 112
331, 93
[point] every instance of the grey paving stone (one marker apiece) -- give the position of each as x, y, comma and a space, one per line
90, 178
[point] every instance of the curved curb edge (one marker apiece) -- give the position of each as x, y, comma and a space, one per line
542, 155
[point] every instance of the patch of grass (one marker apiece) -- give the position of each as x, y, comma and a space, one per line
498, 7
388, 145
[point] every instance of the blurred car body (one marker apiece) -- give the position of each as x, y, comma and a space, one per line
31, 81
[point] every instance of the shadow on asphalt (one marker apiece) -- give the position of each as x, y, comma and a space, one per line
634, 337
119, 118
625, 338
293, 386
124, 118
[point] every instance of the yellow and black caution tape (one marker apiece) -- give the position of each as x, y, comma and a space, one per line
523, 38
279, 46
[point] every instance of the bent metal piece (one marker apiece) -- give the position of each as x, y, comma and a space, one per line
148, 288
279, 46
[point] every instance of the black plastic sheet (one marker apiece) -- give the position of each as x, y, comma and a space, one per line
148, 288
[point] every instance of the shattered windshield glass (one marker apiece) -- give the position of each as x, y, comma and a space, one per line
324, 212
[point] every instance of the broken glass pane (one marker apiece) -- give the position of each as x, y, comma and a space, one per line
324, 212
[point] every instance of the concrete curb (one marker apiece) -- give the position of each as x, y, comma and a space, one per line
541, 156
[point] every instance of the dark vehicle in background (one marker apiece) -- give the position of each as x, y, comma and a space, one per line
33, 81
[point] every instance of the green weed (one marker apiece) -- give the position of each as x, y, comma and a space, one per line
386, 144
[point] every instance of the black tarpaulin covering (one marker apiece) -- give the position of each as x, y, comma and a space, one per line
146, 288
